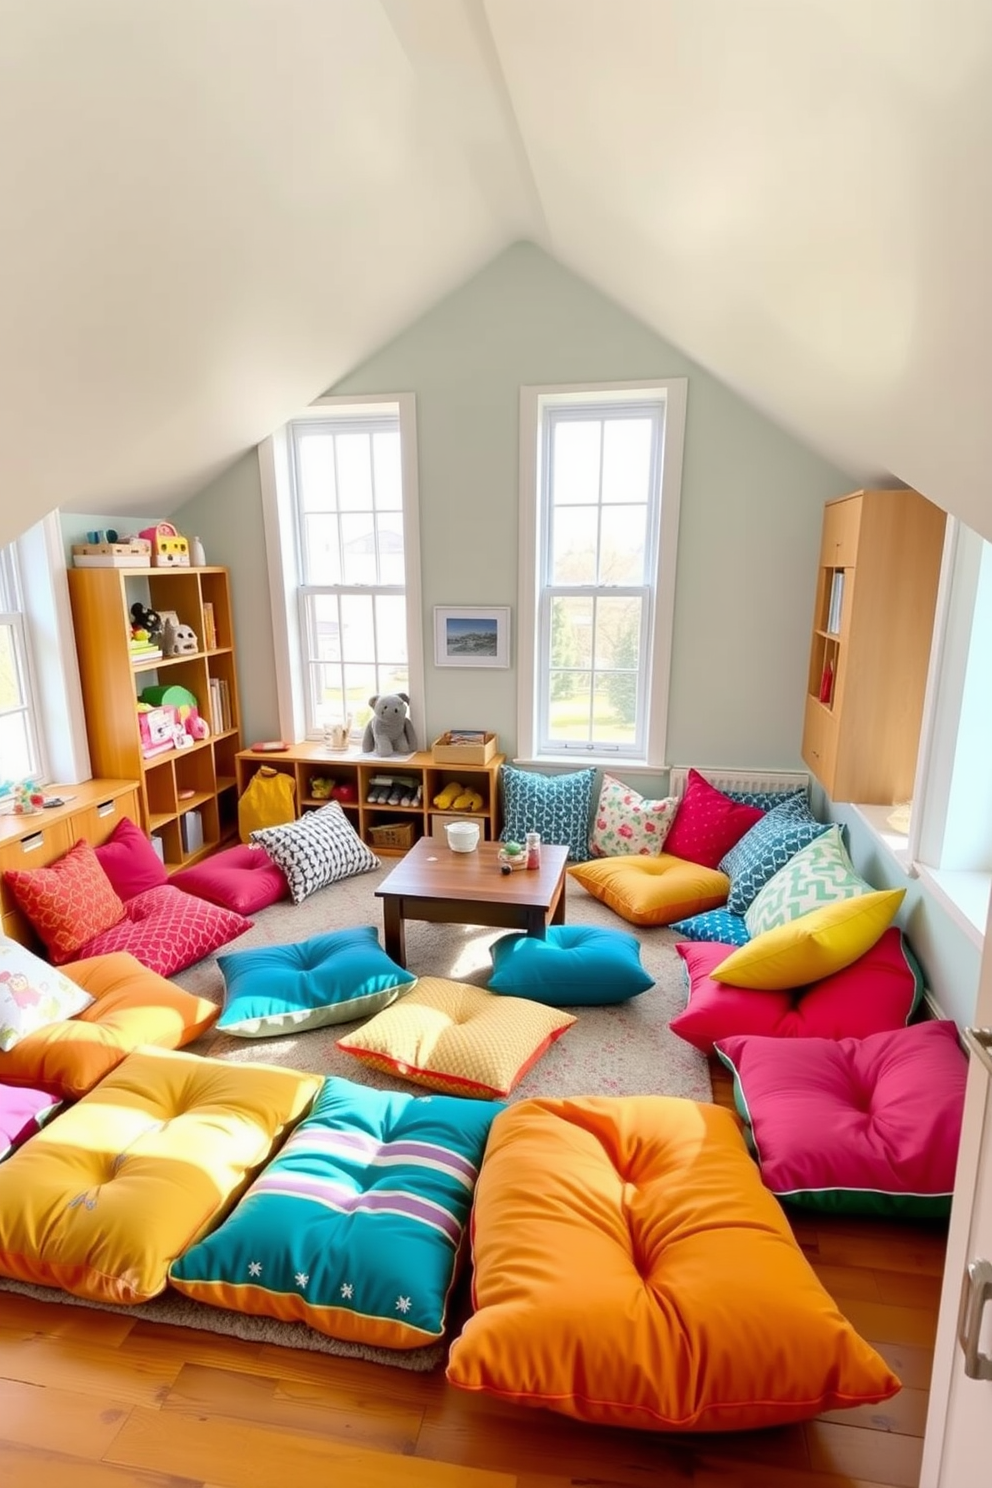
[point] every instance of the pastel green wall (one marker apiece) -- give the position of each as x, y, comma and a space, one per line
752, 500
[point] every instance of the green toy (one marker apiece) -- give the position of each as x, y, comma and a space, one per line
169, 696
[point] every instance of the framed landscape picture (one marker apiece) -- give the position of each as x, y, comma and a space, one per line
478, 637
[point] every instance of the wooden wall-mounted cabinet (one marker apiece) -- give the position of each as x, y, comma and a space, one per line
201, 778
873, 615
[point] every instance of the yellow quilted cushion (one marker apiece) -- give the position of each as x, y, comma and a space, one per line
457, 1038
653, 891
813, 946
102, 1201
631, 1269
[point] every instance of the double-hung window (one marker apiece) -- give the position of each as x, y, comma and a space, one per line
20, 744
600, 480
343, 478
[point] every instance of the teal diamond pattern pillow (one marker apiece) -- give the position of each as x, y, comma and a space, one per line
714, 924
820, 874
766, 848
557, 806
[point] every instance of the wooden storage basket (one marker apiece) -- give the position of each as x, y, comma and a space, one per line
394, 834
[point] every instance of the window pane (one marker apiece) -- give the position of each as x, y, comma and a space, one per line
358, 637
569, 707
10, 678
15, 747
390, 619
626, 459
618, 633
386, 460
575, 461
615, 707
393, 678
355, 471
358, 549
359, 685
328, 695
316, 460
392, 564
573, 538
622, 545
322, 560
327, 627
571, 635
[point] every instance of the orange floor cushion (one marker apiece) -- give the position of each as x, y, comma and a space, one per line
631, 1270
102, 1200
131, 1006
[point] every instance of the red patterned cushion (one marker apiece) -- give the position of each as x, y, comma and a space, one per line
166, 930
708, 823
129, 860
69, 902
242, 878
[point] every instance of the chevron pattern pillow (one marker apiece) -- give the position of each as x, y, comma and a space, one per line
557, 806
819, 874
320, 848
767, 847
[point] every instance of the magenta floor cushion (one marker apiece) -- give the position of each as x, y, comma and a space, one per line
24, 1111
241, 878
855, 1126
881, 990
166, 930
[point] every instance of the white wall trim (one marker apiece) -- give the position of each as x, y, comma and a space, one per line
55, 671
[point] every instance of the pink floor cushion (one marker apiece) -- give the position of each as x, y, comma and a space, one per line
167, 930
879, 991
24, 1111
241, 878
859, 1126
129, 860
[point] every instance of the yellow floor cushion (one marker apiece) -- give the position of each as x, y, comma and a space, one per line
131, 1006
652, 891
103, 1200
631, 1270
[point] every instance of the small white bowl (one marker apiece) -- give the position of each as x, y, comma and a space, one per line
462, 836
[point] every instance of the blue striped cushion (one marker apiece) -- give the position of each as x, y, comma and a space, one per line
355, 1227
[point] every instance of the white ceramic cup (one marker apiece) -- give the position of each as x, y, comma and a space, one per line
462, 836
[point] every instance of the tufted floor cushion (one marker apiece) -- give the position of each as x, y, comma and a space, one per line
131, 1006
168, 930
855, 1126
631, 1270
575, 965
104, 1200
355, 1228
652, 891
241, 878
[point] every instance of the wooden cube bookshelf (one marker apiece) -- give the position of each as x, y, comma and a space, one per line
202, 777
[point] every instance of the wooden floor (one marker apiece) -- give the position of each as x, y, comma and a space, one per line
95, 1400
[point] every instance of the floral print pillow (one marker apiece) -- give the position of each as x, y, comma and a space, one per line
628, 823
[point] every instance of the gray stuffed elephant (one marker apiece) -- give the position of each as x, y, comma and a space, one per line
389, 730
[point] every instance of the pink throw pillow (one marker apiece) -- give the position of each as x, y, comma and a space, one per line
67, 902
129, 860
167, 930
879, 991
859, 1126
241, 878
708, 823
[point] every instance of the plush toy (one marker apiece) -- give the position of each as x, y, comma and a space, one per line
344, 791
389, 730
320, 787
146, 624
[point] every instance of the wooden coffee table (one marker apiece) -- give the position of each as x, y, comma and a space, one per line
448, 888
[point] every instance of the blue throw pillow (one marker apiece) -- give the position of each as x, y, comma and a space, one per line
766, 848
557, 806
356, 1227
333, 978
714, 924
767, 800
576, 966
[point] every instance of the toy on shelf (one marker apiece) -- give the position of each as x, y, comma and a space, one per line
146, 633
389, 730
179, 639
28, 797
169, 548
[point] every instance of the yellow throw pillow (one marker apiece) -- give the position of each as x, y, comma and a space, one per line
813, 946
653, 891
457, 1038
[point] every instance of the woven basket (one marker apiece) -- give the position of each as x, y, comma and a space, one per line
396, 834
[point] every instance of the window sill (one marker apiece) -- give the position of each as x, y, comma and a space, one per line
589, 762
875, 819
963, 895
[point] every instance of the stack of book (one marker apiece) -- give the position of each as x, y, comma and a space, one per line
144, 651
220, 705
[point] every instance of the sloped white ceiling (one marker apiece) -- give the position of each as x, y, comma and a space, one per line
213, 209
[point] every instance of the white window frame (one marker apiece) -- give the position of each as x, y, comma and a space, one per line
283, 553
12, 619
651, 753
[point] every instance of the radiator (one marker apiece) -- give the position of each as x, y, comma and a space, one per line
741, 780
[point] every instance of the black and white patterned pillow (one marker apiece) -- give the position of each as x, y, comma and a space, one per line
318, 849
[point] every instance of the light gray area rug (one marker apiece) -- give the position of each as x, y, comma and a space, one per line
620, 1050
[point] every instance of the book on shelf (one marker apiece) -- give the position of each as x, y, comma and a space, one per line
836, 605
209, 627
